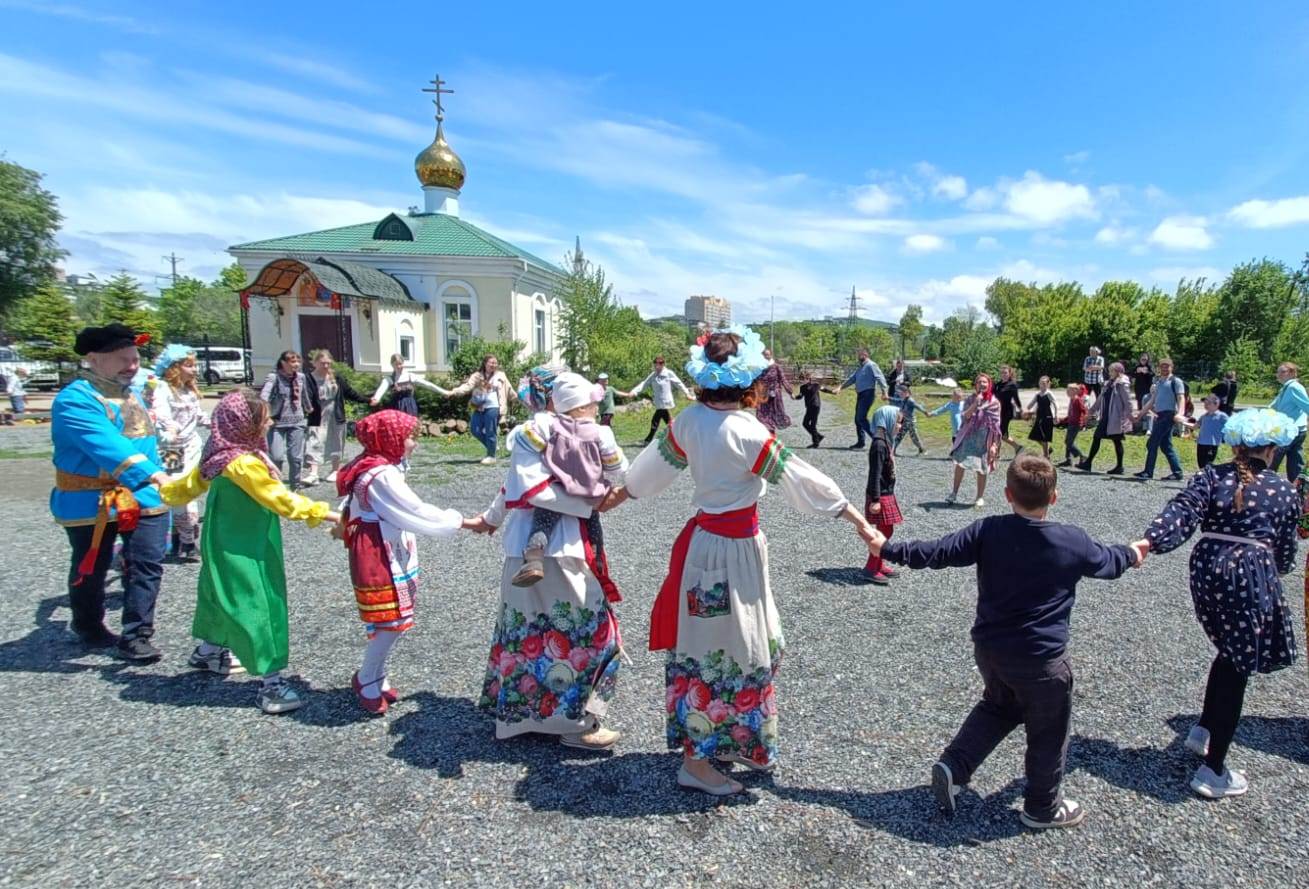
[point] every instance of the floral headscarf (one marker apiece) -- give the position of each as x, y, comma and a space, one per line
234, 432
534, 389
383, 436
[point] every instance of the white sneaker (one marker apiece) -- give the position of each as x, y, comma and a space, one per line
980, 503
488, 461
221, 662
279, 698
1197, 740
1212, 786
331, 479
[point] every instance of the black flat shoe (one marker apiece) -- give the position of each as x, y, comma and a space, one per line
1117, 470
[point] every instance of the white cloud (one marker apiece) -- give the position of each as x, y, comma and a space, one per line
924, 243
78, 13
1048, 201
1271, 214
952, 188
1027, 271
1113, 234
1077, 158
1182, 233
983, 198
873, 200
986, 242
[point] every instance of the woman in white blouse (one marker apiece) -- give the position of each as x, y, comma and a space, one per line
488, 393
403, 381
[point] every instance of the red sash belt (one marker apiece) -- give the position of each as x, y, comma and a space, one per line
737, 524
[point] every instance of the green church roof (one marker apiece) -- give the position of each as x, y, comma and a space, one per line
428, 234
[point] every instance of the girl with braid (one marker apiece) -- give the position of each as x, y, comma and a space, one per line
1247, 516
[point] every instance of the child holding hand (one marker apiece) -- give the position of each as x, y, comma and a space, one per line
240, 613
1020, 636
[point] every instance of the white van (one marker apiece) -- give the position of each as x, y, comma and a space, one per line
221, 364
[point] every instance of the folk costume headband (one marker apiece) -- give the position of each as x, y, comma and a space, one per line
738, 371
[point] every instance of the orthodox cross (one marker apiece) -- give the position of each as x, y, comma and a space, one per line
437, 84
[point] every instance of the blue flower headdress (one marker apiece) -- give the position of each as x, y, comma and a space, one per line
1260, 428
170, 356
739, 371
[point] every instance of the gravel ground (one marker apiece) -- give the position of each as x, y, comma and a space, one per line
118, 775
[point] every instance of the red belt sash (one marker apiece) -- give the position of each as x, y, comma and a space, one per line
738, 524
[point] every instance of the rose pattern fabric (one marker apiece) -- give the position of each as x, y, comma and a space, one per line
714, 707
552, 664
713, 602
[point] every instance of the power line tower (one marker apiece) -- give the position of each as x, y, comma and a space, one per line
173, 259
854, 307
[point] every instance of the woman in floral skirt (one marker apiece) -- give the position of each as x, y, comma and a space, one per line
554, 654
715, 613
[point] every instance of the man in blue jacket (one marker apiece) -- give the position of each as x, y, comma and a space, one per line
106, 476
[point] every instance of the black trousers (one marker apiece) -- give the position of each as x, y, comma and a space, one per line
1094, 387
1224, 699
810, 422
1205, 454
143, 570
1117, 439
1034, 693
660, 415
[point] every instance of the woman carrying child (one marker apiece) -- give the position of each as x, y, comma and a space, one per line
381, 516
880, 506
1247, 515
715, 614
554, 655
977, 444
1042, 407
240, 612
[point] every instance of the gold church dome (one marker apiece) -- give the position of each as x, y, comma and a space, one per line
438, 165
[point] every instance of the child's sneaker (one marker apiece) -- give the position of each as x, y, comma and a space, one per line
222, 662
980, 503
1197, 740
879, 578
944, 787
533, 569
278, 697
1212, 786
1069, 814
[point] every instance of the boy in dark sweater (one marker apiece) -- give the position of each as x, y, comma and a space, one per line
1027, 574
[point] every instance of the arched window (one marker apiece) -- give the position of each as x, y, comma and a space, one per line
407, 342
540, 324
457, 303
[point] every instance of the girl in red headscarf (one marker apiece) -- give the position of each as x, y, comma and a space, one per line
382, 514
977, 445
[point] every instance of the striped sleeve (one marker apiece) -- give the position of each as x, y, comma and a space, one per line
772, 459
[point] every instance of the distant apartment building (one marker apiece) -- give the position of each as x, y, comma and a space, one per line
711, 311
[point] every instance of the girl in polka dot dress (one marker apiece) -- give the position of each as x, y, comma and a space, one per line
1247, 517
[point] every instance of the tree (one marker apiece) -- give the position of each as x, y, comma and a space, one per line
191, 311
123, 301
911, 329
86, 302
29, 220
979, 352
46, 320
1253, 303
1243, 357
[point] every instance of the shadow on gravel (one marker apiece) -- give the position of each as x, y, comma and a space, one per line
1162, 774
840, 576
50, 647
1284, 736
447, 733
945, 504
912, 812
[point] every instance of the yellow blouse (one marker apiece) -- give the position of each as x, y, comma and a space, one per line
251, 475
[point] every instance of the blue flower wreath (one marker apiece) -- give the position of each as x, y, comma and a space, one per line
170, 356
1260, 428
738, 371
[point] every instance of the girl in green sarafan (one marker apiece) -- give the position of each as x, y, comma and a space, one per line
240, 613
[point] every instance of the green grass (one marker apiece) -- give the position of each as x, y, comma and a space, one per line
15, 454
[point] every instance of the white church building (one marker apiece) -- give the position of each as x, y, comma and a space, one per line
415, 284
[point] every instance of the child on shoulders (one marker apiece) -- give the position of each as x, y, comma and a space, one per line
1020, 636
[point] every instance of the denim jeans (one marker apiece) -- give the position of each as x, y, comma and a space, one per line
485, 426
143, 570
288, 443
1294, 454
1034, 693
18, 403
1161, 437
863, 404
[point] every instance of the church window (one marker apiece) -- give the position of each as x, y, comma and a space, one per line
538, 330
458, 323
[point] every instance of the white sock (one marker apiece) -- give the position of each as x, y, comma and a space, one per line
208, 648
272, 678
372, 673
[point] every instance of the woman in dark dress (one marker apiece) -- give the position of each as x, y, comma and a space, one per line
1006, 392
1246, 515
1142, 378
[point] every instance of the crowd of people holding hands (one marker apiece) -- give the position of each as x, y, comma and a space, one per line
125, 461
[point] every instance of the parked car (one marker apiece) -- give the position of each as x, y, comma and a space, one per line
40, 374
220, 364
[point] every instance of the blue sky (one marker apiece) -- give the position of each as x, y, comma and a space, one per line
754, 152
